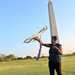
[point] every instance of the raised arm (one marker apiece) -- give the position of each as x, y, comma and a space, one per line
40, 41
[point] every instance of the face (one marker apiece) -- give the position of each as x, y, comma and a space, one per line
52, 40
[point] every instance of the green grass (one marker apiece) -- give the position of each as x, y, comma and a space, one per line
33, 67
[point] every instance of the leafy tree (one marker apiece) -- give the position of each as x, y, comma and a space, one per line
11, 57
19, 58
73, 52
28, 57
2, 56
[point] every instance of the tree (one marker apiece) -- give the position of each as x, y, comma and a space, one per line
19, 58
28, 57
2, 56
73, 52
34, 57
10, 57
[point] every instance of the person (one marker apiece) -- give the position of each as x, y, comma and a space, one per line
55, 53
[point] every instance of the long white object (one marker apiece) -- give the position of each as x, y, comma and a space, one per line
31, 39
53, 26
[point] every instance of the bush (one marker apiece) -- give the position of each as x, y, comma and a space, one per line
73, 52
28, 57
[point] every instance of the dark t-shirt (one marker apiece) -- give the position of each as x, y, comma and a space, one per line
54, 54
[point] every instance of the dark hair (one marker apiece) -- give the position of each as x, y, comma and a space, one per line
54, 37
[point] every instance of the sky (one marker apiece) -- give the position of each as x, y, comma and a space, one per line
19, 19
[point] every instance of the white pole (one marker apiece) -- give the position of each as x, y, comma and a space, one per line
53, 27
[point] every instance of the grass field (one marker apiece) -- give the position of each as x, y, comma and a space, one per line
33, 67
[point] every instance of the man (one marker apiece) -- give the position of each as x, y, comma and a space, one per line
55, 53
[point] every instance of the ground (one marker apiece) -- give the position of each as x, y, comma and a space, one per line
33, 67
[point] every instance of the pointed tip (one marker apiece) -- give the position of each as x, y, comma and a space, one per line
50, 0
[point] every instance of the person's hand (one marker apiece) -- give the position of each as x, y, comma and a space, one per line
37, 38
56, 47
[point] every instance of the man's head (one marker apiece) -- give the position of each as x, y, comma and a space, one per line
53, 39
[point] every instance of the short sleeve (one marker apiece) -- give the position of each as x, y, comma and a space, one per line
58, 45
51, 45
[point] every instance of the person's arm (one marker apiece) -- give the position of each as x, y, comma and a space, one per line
59, 49
40, 41
44, 44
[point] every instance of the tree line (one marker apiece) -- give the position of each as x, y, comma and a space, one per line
4, 58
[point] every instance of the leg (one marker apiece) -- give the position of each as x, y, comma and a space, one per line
58, 68
51, 68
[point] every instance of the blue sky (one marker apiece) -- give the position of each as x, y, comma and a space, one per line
20, 19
